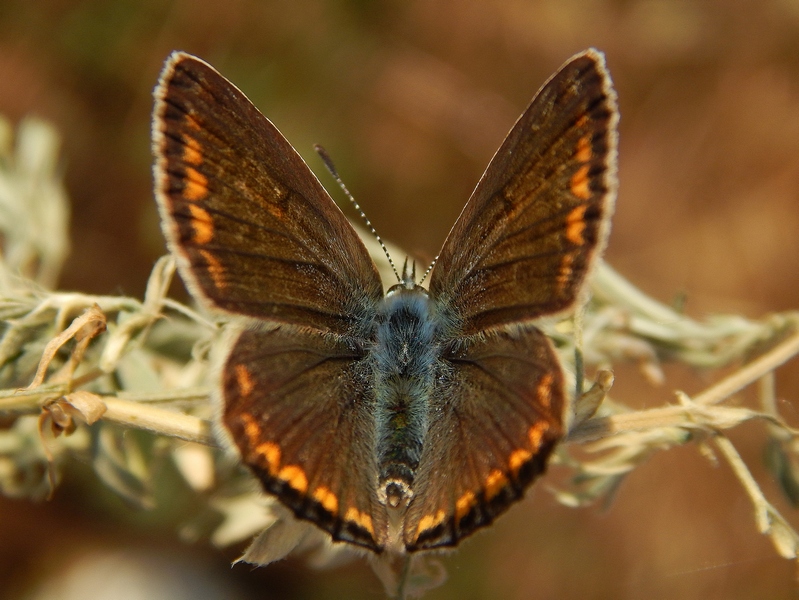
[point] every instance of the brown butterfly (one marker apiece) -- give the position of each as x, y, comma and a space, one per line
400, 421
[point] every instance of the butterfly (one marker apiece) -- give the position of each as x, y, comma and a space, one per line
398, 421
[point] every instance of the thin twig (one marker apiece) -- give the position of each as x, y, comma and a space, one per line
159, 420
769, 519
751, 372
671, 416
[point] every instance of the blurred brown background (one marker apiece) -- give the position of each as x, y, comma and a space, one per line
411, 98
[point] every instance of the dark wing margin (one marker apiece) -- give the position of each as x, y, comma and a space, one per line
538, 218
254, 231
299, 410
499, 411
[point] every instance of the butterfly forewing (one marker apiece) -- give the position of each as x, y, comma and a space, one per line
526, 239
255, 232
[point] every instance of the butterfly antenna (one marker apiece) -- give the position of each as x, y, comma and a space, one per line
332, 169
430, 268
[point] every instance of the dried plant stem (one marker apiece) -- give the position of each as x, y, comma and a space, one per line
690, 416
138, 412
29, 400
751, 372
158, 420
132, 410
768, 518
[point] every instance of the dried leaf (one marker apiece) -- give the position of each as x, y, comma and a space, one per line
784, 538
88, 406
118, 461
61, 413
196, 464
785, 467
83, 329
61, 419
130, 324
276, 541
589, 402
414, 580
243, 517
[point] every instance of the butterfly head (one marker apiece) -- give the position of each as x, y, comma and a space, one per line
408, 279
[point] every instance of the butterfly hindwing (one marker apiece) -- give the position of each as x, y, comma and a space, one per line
298, 407
499, 406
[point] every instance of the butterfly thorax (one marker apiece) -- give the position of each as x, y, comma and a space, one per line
404, 358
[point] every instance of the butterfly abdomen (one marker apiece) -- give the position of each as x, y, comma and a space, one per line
404, 356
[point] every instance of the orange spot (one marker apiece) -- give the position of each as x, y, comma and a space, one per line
192, 151
196, 185
581, 121
463, 505
517, 459
251, 428
536, 433
215, 269
244, 379
202, 224
583, 153
295, 477
327, 499
579, 183
361, 519
430, 521
575, 225
544, 391
565, 271
193, 123
495, 481
271, 452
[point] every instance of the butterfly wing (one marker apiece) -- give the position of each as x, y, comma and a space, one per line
521, 249
257, 236
526, 239
499, 412
299, 409
253, 229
